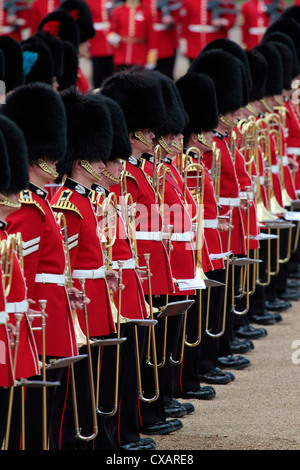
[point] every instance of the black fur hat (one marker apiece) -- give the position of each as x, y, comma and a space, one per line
277, 36
226, 72
2, 65
259, 72
274, 82
139, 97
40, 114
89, 129
55, 45
68, 78
199, 99
13, 74
233, 48
17, 155
174, 123
288, 26
61, 24
292, 12
5, 173
81, 13
37, 61
287, 64
121, 146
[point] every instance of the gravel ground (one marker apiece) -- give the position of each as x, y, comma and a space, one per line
259, 410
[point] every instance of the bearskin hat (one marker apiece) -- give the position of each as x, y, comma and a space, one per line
61, 24
17, 155
274, 82
121, 146
89, 129
226, 72
81, 13
139, 97
40, 114
288, 26
37, 61
199, 99
259, 72
55, 45
277, 36
5, 173
68, 78
13, 55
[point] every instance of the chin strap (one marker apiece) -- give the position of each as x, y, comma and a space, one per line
204, 141
140, 136
88, 167
108, 174
226, 121
45, 167
164, 145
9, 203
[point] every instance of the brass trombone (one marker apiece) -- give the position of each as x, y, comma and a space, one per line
128, 211
81, 339
109, 233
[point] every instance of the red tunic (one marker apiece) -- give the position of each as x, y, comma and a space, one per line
165, 39
16, 301
148, 227
9, 29
99, 46
293, 138
43, 254
38, 10
179, 216
197, 28
132, 302
229, 195
6, 363
134, 25
86, 255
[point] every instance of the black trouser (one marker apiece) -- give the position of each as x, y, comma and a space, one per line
166, 66
151, 413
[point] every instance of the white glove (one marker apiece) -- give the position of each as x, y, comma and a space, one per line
114, 39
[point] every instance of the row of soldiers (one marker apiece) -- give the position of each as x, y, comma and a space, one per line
148, 32
145, 226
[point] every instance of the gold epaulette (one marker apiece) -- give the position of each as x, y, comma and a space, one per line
64, 203
26, 198
128, 174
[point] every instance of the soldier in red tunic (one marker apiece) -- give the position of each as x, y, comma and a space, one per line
44, 274
101, 51
14, 18
38, 10
131, 35
203, 22
141, 100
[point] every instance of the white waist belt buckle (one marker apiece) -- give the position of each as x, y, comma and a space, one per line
17, 307
152, 236
49, 278
182, 237
89, 273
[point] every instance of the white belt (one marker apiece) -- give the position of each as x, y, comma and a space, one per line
245, 195
6, 29
293, 150
101, 26
229, 201
286, 132
127, 264
257, 30
182, 237
160, 27
285, 160
89, 273
262, 179
202, 28
275, 169
154, 236
210, 223
3, 318
48, 278
17, 307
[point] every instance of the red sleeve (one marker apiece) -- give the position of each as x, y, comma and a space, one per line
30, 222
